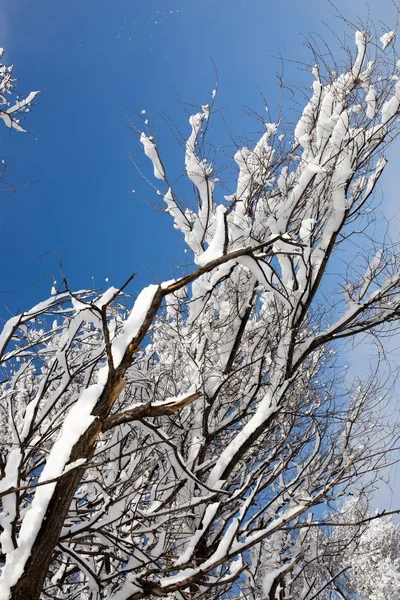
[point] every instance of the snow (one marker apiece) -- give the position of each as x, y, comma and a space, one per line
20, 105
215, 558
181, 222
285, 517
371, 102
387, 38
209, 515
199, 172
13, 323
361, 42
42, 306
86, 313
261, 270
265, 409
150, 150
167, 283
168, 402
206, 111
9, 511
380, 165
370, 273
181, 576
133, 323
224, 545
306, 229
8, 330
391, 106
128, 589
269, 579
106, 296
253, 164
341, 131
216, 246
74, 465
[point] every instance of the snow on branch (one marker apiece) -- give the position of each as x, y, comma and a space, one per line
12, 113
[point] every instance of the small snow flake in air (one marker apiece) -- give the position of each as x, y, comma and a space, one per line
106, 280
387, 38
133, 191
143, 112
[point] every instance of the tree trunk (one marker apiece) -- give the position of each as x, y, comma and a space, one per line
30, 585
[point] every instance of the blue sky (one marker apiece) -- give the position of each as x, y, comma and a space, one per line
94, 60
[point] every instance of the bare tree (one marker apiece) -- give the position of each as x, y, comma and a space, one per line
196, 444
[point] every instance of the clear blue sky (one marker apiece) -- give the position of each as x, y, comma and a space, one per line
95, 58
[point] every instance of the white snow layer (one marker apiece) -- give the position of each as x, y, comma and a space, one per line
208, 517
133, 323
387, 38
150, 150
216, 246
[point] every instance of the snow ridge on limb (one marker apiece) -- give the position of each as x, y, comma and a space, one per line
150, 149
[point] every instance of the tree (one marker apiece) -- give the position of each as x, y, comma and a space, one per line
198, 443
375, 564
359, 554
